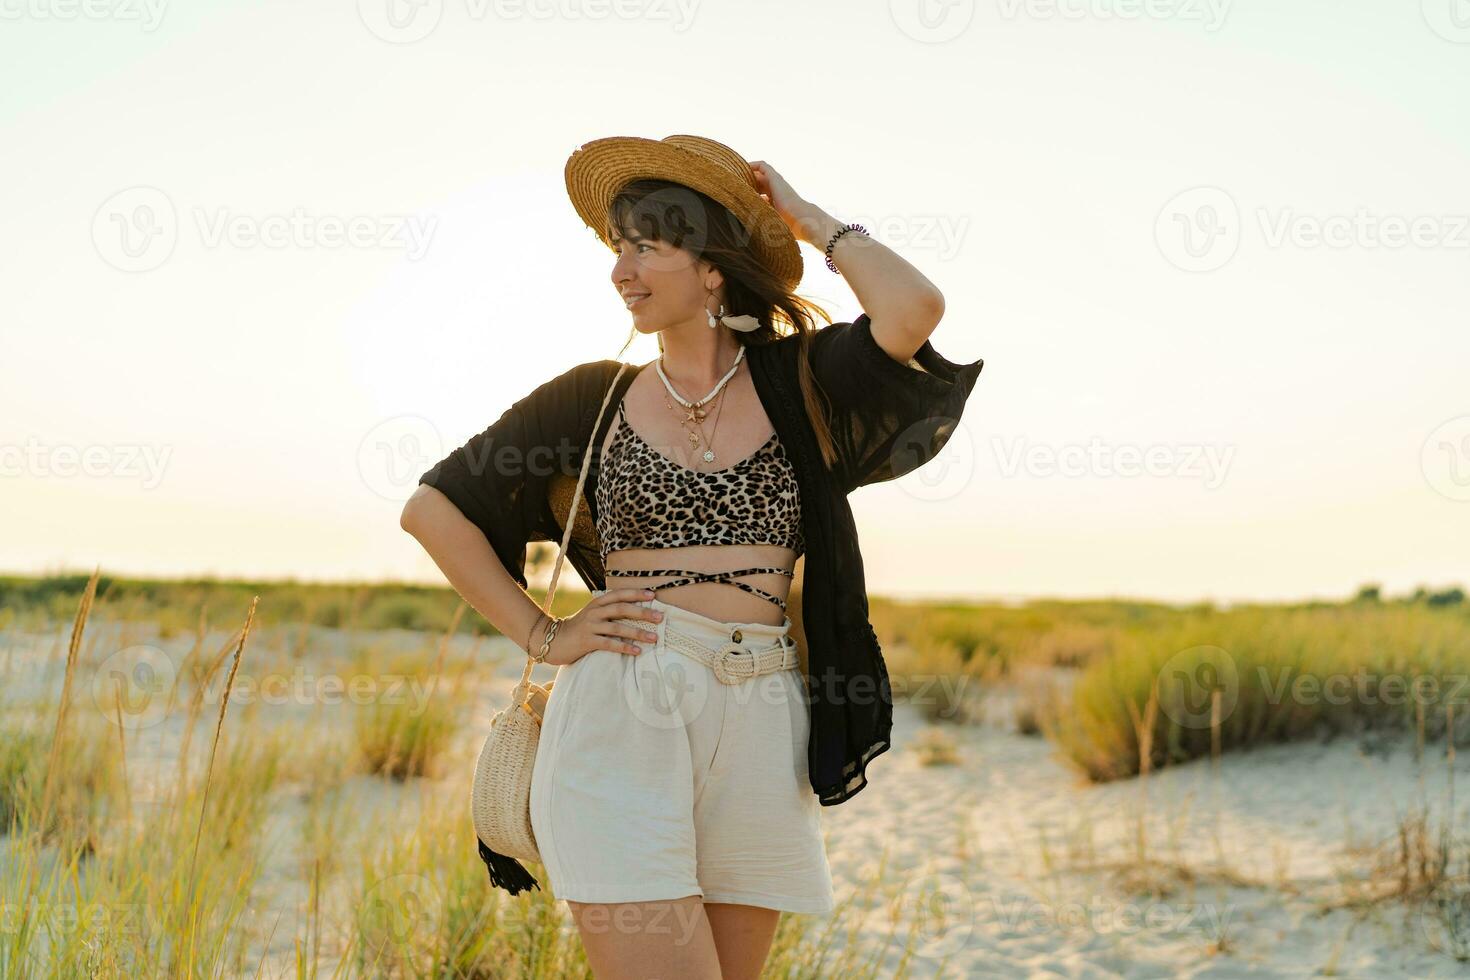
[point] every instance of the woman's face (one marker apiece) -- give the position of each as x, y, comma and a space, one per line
670, 280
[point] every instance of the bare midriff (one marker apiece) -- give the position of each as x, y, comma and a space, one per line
716, 600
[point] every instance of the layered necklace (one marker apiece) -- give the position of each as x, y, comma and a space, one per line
695, 411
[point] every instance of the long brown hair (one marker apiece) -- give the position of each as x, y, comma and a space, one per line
666, 211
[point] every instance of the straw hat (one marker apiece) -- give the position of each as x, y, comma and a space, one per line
596, 171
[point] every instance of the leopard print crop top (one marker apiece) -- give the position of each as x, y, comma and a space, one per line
646, 500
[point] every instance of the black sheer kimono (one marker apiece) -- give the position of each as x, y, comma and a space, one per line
515, 479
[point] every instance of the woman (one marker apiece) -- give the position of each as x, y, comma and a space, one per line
686, 749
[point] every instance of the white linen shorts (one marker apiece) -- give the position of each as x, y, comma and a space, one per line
655, 780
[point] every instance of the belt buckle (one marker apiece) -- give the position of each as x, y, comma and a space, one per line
725, 664
722, 672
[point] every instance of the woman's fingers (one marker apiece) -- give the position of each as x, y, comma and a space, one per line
631, 610
631, 632
623, 595
620, 604
624, 637
617, 644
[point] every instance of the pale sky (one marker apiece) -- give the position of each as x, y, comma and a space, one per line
1227, 238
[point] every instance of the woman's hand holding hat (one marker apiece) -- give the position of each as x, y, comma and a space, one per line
794, 210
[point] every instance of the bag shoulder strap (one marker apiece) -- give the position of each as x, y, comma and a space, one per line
518, 694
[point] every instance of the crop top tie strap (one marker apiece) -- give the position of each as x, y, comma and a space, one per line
690, 578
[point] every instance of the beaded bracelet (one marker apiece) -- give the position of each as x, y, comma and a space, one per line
842, 231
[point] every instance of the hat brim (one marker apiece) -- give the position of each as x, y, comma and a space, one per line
596, 171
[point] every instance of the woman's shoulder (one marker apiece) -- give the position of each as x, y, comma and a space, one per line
786, 352
570, 400
788, 346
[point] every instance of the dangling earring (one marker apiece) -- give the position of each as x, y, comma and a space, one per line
744, 323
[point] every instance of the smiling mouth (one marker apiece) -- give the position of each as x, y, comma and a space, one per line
634, 300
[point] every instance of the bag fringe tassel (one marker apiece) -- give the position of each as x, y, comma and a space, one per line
506, 872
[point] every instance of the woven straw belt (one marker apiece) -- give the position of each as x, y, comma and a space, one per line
732, 662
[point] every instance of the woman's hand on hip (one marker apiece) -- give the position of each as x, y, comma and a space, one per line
595, 627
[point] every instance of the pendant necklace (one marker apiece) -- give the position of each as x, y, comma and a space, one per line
695, 438
694, 410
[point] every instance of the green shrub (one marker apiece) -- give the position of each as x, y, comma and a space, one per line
1281, 674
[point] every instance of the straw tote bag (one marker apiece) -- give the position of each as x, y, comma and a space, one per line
500, 800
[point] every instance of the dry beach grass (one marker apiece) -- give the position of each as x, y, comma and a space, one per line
286, 797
